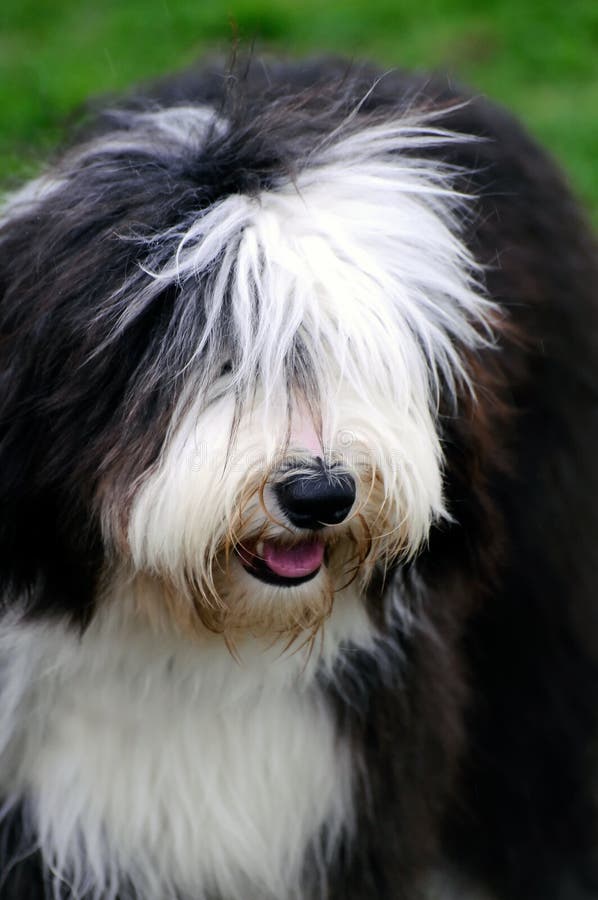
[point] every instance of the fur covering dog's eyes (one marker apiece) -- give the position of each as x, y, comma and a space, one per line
298, 479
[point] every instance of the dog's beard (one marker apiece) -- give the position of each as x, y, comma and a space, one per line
204, 529
231, 593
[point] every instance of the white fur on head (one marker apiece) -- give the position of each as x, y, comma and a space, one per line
354, 281
358, 261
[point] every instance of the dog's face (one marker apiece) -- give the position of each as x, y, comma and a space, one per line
272, 359
259, 524
309, 453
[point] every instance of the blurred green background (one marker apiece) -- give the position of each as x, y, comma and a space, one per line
539, 57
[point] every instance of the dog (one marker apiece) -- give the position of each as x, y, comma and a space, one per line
298, 478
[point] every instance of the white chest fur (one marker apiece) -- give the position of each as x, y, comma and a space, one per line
172, 767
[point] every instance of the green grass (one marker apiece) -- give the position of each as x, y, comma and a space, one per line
539, 57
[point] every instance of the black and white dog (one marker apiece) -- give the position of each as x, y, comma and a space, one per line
299, 501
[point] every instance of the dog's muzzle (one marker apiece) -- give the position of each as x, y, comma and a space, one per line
310, 501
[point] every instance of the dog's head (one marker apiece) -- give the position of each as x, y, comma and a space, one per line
224, 343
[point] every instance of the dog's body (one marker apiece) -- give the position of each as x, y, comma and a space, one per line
298, 467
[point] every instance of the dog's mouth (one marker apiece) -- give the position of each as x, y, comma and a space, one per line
275, 563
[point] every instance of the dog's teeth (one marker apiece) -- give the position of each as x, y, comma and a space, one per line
259, 548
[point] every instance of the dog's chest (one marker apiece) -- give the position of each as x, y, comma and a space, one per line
205, 779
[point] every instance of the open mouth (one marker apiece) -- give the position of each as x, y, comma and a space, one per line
273, 563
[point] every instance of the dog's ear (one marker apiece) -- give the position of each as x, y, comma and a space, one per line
75, 410
42, 524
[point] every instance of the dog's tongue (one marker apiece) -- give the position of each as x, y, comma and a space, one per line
293, 562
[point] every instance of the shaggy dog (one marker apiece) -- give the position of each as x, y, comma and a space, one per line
299, 480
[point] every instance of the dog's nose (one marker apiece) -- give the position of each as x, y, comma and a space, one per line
312, 500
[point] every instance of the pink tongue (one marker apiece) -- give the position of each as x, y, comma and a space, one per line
293, 562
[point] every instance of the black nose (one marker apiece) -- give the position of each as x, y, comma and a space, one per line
315, 499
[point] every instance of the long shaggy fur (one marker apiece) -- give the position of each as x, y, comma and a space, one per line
234, 282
